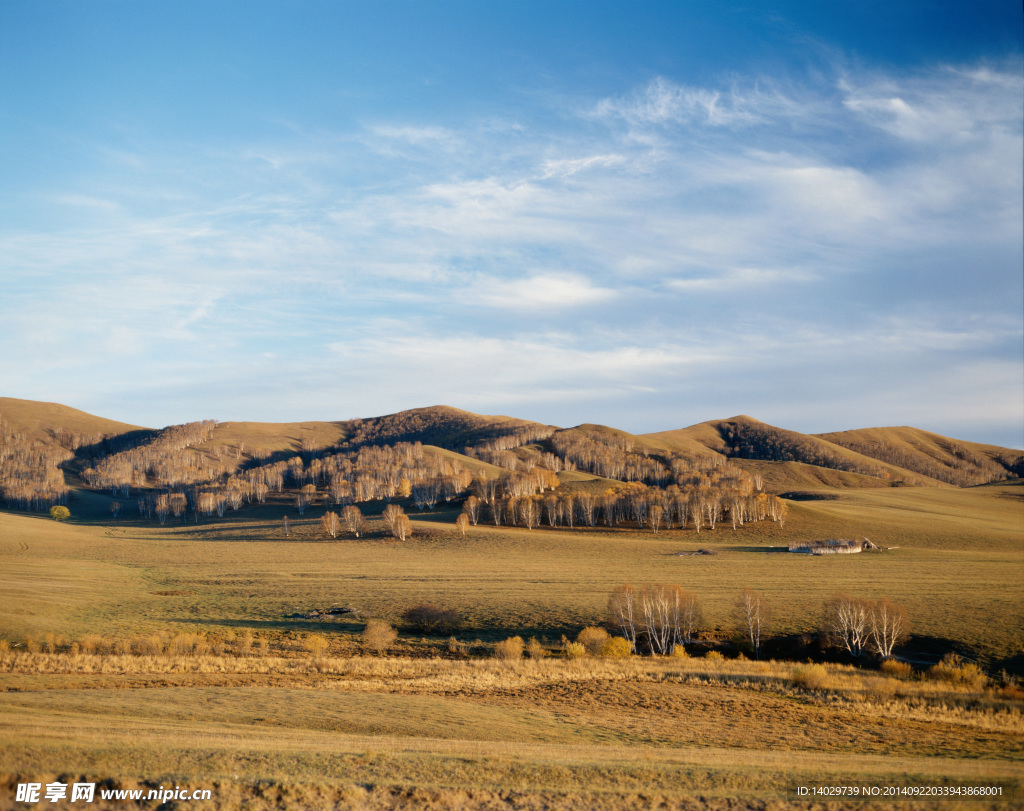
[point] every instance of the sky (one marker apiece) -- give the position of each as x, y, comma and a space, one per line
645, 215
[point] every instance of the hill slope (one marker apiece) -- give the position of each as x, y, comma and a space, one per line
949, 460
744, 438
45, 421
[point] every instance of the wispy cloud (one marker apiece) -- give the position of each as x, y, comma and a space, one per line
656, 247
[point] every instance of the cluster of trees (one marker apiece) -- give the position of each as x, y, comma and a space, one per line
857, 625
702, 503
378, 472
609, 455
30, 474
963, 468
750, 441
657, 618
160, 462
660, 616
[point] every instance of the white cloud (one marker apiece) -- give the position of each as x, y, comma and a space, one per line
663, 102
540, 291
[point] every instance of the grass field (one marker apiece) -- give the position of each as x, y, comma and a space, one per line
366, 733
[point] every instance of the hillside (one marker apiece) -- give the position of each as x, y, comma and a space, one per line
443, 426
953, 461
45, 448
744, 439
47, 422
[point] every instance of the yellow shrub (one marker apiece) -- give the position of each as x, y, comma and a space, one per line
509, 649
897, 669
811, 677
956, 671
617, 648
534, 649
593, 639
574, 650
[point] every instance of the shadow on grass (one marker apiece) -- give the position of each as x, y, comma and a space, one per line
466, 634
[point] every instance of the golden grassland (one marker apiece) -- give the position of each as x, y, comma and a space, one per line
230, 696
545, 733
958, 570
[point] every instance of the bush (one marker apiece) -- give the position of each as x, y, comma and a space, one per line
427, 618
316, 644
378, 636
896, 669
679, 652
954, 670
574, 650
509, 649
60, 513
593, 639
534, 649
713, 656
810, 677
617, 648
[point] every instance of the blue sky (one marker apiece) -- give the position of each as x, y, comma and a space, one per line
645, 215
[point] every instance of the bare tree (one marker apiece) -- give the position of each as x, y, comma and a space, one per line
655, 516
752, 616
390, 515
622, 612
889, 627
847, 623
472, 509
353, 518
330, 524
462, 523
402, 528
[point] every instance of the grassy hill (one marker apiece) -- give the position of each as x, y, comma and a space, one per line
938, 457
866, 458
41, 421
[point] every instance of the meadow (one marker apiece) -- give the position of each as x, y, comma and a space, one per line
244, 706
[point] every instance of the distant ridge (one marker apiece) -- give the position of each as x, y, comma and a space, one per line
869, 457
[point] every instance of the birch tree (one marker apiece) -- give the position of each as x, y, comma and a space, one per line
751, 614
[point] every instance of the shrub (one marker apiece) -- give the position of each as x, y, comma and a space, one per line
509, 649
60, 513
954, 670
378, 636
679, 652
593, 639
713, 656
881, 689
316, 644
810, 677
456, 648
534, 649
617, 648
91, 644
897, 669
152, 645
427, 618
574, 650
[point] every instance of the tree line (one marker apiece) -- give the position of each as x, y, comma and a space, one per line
31, 477
658, 618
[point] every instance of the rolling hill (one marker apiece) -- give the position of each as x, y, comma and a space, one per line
781, 459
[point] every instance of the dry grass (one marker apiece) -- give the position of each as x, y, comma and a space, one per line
195, 620
956, 571
600, 731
